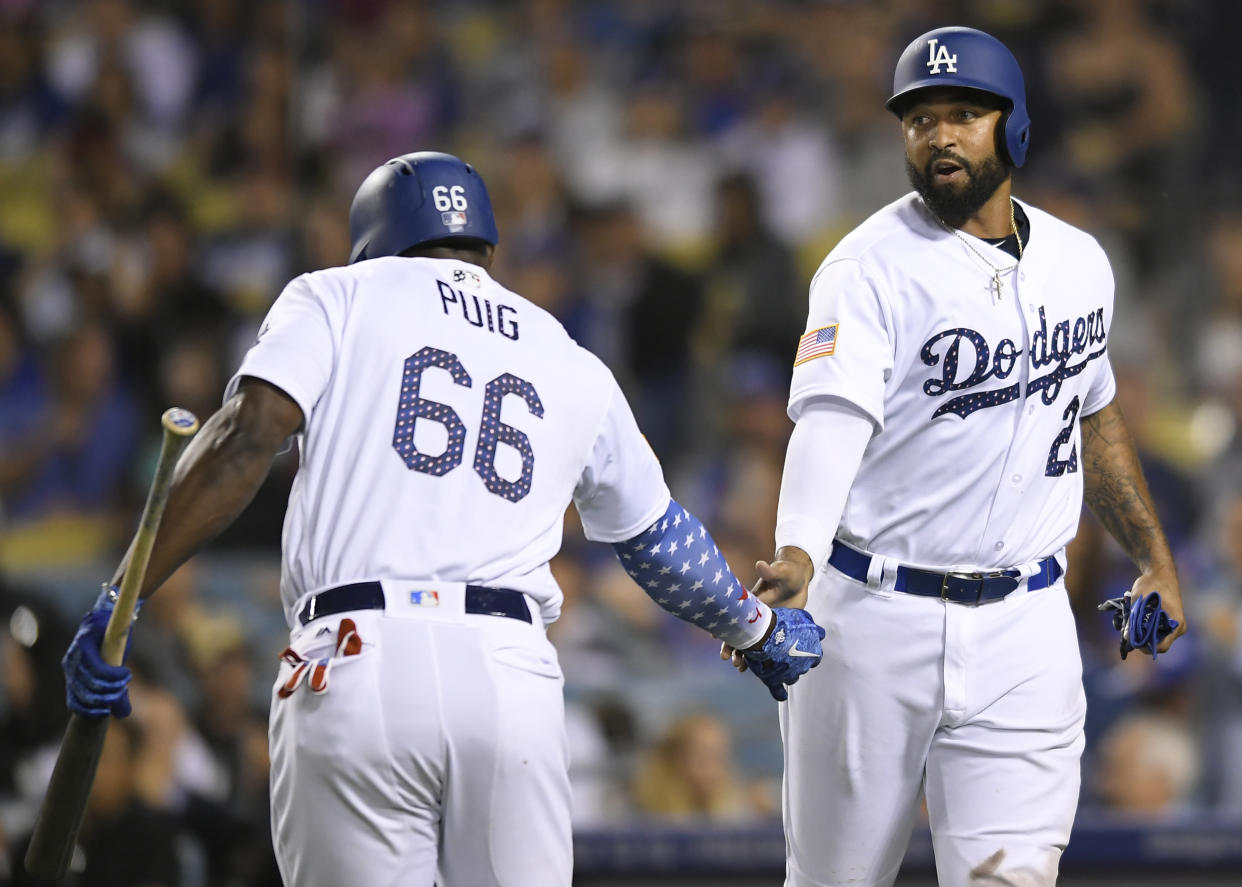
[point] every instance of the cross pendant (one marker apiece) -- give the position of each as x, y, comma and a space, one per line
1000, 292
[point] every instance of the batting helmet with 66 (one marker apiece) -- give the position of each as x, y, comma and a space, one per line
425, 197
965, 57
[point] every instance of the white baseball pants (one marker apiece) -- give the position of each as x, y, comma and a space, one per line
437, 754
979, 709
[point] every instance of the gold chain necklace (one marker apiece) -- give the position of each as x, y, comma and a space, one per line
996, 270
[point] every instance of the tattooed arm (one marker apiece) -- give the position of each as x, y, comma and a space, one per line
1117, 495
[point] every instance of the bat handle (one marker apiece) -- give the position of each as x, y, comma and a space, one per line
179, 426
51, 845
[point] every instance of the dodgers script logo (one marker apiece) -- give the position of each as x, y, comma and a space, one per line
1069, 340
940, 56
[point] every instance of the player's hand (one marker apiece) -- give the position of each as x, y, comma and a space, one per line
1165, 582
1149, 616
791, 648
783, 582
93, 688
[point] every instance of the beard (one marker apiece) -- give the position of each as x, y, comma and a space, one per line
956, 204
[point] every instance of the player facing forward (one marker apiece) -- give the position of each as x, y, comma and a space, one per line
444, 423
952, 398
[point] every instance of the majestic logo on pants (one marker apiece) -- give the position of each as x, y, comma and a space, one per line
951, 349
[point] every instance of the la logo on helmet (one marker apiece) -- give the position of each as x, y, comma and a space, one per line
940, 56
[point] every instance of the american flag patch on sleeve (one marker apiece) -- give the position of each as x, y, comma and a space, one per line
816, 343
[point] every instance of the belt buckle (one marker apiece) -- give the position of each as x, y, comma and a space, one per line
972, 576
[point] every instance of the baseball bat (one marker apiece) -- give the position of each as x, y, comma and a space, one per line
64, 805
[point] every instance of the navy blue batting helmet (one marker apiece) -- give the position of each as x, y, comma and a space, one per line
419, 198
958, 56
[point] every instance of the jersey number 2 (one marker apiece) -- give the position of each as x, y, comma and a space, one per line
1057, 467
492, 432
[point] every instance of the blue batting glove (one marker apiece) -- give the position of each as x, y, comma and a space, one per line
1142, 621
792, 648
93, 688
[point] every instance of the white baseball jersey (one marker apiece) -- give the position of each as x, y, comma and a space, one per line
977, 396
448, 424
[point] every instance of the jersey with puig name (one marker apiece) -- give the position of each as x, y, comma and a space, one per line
448, 424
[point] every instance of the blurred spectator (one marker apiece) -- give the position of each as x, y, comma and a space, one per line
230, 817
644, 312
791, 157
28, 106
33, 637
1130, 113
1148, 767
735, 479
851, 47
712, 65
608, 629
123, 841
72, 452
666, 175
595, 777
531, 208
755, 301
1218, 610
584, 122
162, 304
398, 80
159, 648
689, 774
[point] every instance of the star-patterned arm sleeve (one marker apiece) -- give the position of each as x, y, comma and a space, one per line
678, 564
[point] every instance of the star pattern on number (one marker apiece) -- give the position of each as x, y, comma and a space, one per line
493, 432
411, 407
686, 573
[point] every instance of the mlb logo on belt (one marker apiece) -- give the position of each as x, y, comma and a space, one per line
425, 598
453, 220
817, 343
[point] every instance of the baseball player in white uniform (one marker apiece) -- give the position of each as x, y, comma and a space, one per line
444, 424
952, 398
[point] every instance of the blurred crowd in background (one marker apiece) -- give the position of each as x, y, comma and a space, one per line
666, 177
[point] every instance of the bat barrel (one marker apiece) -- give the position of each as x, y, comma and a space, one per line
60, 818
64, 806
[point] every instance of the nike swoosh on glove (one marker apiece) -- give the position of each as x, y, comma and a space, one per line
791, 650
1142, 622
93, 688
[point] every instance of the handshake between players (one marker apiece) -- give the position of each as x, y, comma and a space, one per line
784, 580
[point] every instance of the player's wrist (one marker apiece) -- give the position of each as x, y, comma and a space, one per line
800, 565
767, 633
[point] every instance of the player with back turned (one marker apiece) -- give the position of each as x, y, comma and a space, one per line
444, 424
953, 403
